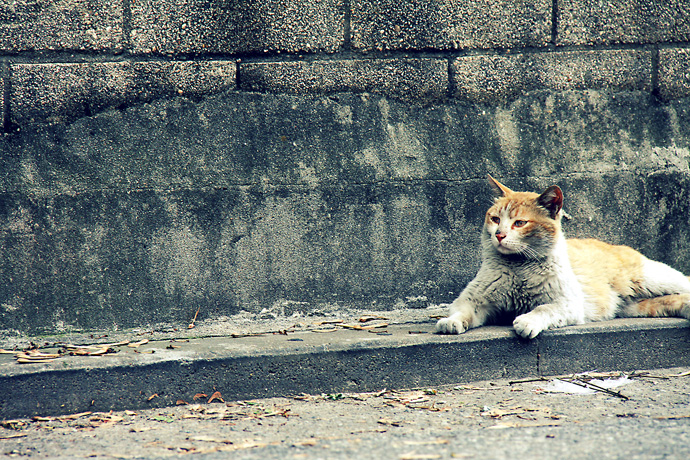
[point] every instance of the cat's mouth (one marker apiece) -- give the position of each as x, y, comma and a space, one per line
503, 248
508, 248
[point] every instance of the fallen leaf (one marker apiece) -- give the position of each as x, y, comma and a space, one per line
374, 326
12, 436
308, 442
199, 396
215, 396
504, 425
34, 361
424, 443
387, 421
74, 416
138, 344
191, 325
351, 326
155, 395
140, 429
209, 439
414, 456
181, 402
366, 318
110, 345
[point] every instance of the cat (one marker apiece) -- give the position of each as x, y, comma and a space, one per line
530, 272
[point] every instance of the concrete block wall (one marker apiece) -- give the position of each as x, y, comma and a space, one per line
165, 156
89, 55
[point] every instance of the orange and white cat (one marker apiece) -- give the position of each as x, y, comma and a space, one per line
532, 273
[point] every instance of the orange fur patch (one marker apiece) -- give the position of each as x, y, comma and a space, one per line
606, 272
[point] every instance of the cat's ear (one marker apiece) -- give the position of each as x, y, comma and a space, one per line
499, 189
551, 200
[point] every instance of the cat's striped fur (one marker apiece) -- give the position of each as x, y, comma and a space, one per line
530, 271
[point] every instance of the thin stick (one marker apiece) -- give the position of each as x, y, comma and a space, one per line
592, 386
536, 379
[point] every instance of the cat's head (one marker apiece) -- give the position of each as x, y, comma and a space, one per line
523, 223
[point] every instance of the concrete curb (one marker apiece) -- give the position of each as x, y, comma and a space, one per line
410, 355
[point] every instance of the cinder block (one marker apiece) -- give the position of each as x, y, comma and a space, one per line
674, 73
60, 25
402, 78
448, 24
64, 92
218, 26
500, 78
593, 22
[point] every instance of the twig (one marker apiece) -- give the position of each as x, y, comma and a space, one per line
592, 386
535, 379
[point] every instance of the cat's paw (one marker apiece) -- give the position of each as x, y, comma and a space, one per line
450, 325
528, 326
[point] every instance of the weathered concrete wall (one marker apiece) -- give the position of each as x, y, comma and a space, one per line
163, 157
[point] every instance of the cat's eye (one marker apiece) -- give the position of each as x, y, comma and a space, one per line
495, 219
519, 223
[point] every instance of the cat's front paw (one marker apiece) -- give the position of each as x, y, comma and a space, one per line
450, 325
528, 326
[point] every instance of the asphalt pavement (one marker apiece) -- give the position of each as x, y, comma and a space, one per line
647, 416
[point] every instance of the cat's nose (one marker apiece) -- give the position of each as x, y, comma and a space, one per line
500, 236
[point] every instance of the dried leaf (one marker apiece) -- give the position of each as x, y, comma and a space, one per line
308, 442
12, 436
34, 361
181, 402
199, 396
414, 456
155, 395
191, 325
34, 354
138, 344
374, 326
110, 345
387, 421
503, 425
424, 443
74, 416
209, 439
215, 396
366, 318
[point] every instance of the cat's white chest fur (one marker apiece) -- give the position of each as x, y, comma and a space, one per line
518, 285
